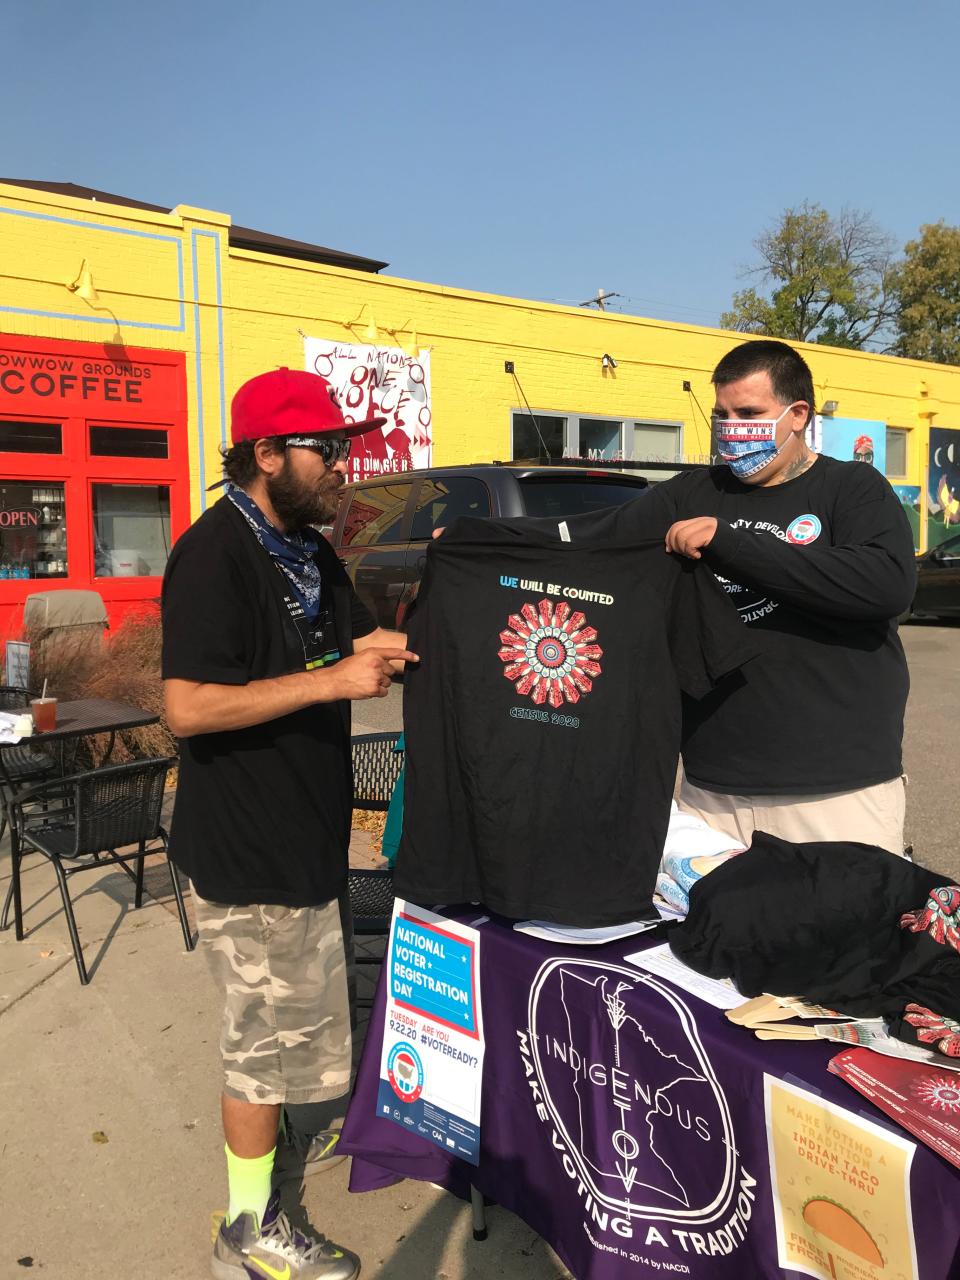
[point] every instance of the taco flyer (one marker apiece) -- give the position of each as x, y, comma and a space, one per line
841, 1188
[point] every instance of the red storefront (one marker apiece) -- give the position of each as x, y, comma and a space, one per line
94, 471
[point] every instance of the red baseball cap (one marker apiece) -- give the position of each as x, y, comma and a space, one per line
290, 402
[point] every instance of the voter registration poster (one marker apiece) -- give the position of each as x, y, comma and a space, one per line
431, 1065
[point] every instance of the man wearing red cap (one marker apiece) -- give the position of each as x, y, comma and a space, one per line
265, 645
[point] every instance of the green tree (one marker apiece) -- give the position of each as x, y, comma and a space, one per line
829, 280
927, 292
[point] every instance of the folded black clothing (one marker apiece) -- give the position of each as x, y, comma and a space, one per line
822, 921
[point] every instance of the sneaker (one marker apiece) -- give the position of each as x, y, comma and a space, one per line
300, 1154
245, 1250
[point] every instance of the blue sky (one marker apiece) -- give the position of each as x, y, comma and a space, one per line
529, 149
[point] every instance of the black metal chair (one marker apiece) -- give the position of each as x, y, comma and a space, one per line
376, 767
86, 819
24, 762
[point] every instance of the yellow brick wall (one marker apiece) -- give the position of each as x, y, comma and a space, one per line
170, 281
557, 356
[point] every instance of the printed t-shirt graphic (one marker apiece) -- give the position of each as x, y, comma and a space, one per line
817, 567
551, 653
542, 735
754, 602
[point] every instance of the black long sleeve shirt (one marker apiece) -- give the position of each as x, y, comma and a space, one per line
819, 568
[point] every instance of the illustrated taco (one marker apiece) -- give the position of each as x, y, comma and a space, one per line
838, 1225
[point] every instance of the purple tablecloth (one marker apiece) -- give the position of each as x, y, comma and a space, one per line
623, 1120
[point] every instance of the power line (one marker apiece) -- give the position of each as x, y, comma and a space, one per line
649, 302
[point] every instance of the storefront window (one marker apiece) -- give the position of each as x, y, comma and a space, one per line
131, 530
128, 442
33, 531
31, 437
600, 438
657, 442
896, 451
539, 436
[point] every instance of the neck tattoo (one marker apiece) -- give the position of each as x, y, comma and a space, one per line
798, 466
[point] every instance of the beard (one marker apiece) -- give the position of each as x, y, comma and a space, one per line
299, 504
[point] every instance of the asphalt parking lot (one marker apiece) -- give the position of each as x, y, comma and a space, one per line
931, 759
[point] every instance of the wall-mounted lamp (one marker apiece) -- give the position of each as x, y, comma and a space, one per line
607, 361
83, 286
406, 337
830, 406
371, 333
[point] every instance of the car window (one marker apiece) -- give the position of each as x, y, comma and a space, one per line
445, 498
375, 514
555, 497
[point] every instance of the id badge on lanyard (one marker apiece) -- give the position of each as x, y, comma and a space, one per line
318, 636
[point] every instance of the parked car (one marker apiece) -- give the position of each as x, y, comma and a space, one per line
938, 581
385, 525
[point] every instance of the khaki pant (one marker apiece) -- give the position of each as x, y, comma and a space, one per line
285, 1035
871, 815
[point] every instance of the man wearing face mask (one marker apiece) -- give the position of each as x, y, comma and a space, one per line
818, 557
264, 646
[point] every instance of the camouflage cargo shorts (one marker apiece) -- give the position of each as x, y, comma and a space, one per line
285, 1035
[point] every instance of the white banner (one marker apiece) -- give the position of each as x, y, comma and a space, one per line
379, 382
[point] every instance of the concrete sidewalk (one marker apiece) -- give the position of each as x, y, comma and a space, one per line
111, 1154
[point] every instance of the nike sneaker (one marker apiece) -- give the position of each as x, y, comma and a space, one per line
300, 1154
273, 1250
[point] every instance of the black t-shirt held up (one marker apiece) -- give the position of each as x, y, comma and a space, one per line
819, 568
262, 814
543, 725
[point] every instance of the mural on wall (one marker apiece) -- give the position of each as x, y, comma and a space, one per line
909, 495
850, 440
379, 381
943, 485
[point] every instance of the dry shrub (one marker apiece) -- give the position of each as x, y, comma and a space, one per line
123, 667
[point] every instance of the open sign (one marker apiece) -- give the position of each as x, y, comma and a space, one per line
20, 518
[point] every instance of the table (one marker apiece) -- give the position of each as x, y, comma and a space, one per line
84, 717
94, 715
623, 1119
75, 719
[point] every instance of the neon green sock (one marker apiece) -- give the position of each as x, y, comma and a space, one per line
249, 1183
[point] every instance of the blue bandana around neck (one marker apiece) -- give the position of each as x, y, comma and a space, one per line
292, 552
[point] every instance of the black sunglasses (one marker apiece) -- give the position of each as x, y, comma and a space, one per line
330, 451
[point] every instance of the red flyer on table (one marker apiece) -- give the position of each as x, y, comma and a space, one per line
923, 1099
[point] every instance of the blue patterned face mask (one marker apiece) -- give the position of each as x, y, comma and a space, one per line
749, 445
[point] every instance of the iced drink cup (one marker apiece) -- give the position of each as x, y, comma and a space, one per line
44, 714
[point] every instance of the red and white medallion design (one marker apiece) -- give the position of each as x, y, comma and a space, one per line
549, 653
